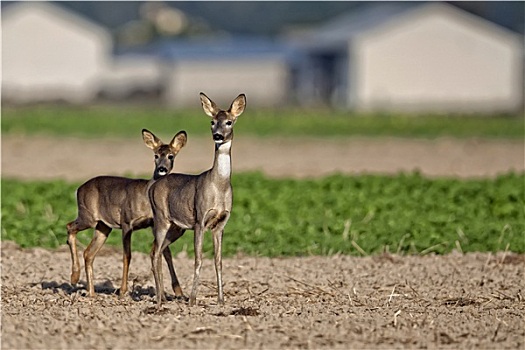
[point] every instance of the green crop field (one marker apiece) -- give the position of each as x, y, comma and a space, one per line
119, 121
367, 214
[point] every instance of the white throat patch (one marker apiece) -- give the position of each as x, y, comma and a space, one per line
223, 160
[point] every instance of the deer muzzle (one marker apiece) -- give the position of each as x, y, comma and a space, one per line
161, 171
218, 137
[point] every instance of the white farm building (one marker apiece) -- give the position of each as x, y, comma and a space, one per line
413, 57
51, 54
382, 56
225, 68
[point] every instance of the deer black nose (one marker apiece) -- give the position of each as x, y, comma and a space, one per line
162, 171
218, 137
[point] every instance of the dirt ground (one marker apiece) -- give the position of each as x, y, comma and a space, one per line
471, 301
74, 159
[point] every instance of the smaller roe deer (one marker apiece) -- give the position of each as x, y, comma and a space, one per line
108, 202
201, 202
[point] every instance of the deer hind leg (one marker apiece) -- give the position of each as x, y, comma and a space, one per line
126, 259
73, 228
99, 237
173, 234
159, 244
153, 263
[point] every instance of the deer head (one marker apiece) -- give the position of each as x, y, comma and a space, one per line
164, 153
223, 121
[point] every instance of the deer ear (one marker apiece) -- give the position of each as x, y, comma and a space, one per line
179, 140
150, 139
238, 106
210, 108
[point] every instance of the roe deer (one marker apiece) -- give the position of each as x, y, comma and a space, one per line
202, 202
108, 202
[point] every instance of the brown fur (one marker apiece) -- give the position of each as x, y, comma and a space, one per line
111, 202
201, 202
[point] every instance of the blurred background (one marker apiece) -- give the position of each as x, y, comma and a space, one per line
356, 56
343, 86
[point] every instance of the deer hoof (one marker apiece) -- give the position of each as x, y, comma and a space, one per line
75, 276
182, 298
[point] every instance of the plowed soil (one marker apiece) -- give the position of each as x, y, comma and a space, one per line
470, 301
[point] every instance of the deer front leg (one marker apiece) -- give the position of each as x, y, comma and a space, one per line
216, 221
99, 237
217, 245
199, 233
126, 259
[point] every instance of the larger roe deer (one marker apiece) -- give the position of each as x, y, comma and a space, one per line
202, 202
111, 202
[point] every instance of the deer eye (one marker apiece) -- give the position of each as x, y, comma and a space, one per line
229, 123
171, 156
212, 122
156, 156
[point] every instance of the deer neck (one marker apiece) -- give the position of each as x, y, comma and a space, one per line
222, 164
149, 183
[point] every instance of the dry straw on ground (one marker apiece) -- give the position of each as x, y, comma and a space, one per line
339, 302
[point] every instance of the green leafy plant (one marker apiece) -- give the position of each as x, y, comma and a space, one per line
369, 214
119, 121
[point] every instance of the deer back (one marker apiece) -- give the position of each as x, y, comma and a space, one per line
113, 199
